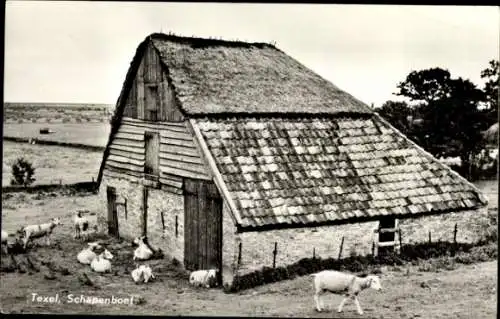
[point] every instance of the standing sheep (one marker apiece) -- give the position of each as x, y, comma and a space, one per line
341, 283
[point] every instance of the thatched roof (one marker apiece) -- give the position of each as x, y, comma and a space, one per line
316, 170
216, 76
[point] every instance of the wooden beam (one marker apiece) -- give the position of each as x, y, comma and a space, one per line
219, 182
386, 243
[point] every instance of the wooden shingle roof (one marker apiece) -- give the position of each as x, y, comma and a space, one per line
283, 171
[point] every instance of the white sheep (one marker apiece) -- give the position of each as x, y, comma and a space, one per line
143, 252
5, 239
206, 278
38, 231
142, 273
342, 283
101, 263
81, 224
88, 254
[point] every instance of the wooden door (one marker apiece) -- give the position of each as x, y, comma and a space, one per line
112, 212
203, 226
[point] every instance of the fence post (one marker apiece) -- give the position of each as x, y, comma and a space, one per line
455, 234
341, 247
430, 237
400, 242
314, 253
454, 241
373, 248
275, 252
239, 254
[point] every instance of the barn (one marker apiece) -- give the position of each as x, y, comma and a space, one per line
234, 155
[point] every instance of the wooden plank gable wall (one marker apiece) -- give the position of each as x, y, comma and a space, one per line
151, 107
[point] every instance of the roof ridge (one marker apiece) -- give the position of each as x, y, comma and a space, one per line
205, 42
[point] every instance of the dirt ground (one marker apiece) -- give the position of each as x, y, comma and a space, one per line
466, 292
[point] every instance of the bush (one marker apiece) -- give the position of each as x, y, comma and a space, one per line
22, 173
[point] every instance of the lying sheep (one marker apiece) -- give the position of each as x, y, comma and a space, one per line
142, 273
143, 252
203, 278
39, 231
90, 253
101, 263
342, 283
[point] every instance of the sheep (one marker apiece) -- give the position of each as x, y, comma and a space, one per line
81, 224
37, 231
142, 273
5, 238
11, 242
342, 283
101, 263
206, 278
143, 252
90, 253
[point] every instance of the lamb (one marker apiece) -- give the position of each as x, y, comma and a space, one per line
90, 253
101, 263
38, 231
206, 278
81, 224
342, 283
143, 252
142, 273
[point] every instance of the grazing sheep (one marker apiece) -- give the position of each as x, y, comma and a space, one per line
142, 273
101, 263
90, 253
342, 283
143, 252
203, 278
81, 224
38, 231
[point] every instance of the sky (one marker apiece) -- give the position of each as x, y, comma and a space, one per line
80, 51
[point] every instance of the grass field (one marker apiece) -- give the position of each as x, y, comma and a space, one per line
52, 163
466, 292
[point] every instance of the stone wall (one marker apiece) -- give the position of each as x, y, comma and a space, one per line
295, 244
130, 220
129, 216
164, 235
470, 227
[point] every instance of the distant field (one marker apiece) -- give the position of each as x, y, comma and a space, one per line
56, 112
89, 133
52, 163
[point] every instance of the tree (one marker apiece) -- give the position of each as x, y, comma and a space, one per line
426, 85
448, 108
399, 114
22, 173
492, 77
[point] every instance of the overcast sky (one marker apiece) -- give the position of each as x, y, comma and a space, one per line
80, 51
